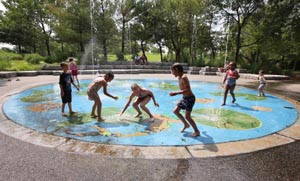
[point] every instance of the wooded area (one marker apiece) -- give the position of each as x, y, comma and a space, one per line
256, 34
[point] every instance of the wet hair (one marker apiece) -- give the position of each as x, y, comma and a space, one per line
177, 66
134, 86
63, 64
110, 74
71, 59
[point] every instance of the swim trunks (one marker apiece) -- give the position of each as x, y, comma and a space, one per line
187, 103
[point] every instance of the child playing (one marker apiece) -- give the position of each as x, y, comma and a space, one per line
188, 100
65, 81
92, 93
262, 83
74, 70
143, 97
229, 81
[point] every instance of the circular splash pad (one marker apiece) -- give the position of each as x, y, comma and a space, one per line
251, 117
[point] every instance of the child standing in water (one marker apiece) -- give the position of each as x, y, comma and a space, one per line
188, 100
92, 93
65, 81
229, 81
74, 70
143, 97
262, 83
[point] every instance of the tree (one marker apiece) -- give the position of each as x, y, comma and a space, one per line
105, 26
238, 13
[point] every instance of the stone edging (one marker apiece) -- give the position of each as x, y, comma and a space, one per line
17, 131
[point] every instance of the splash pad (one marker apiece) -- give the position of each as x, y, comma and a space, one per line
251, 117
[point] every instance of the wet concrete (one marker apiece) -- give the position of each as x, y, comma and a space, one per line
24, 161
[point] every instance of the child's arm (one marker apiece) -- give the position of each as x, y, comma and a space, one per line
107, 94
225, 77
127, 104
75, 86
187, 87
62, 93
153, 98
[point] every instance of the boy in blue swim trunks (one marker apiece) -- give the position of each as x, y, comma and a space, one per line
188, 100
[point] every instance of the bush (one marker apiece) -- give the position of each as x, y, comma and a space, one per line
5, 55
34, 58
4, 64
120, 56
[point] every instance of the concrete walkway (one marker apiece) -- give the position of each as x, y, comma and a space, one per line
24, 161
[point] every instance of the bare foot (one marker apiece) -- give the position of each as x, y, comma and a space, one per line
73, 112
223, 104
152, 119
233, 101
185, 126
63, 114
100, 119
94, 116
137, 115
195, 134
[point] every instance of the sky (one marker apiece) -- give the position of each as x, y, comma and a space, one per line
1, 6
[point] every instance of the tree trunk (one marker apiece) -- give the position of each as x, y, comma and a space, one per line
19, 48
238, 44
160, 52
48, 47
62, 48
123, 37
104, 50
177, 54
143, 48
295, 65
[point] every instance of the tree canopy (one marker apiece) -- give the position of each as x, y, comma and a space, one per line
253, 33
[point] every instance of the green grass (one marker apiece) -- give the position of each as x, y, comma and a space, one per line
21, 65
152, 57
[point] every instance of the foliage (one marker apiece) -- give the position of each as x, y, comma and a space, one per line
257, 34
33, 58
6, 55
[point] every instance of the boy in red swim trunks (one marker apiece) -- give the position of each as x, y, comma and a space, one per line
188, 100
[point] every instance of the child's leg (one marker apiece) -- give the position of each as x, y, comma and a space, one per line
70, 108
99, 109
63, 108
77, 80
192, 123
143, 104
93, 109
176, 111
232, 94
136, 107
225, 95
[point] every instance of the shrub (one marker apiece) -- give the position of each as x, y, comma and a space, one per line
34, 58
5, 55
4, 64
120, 56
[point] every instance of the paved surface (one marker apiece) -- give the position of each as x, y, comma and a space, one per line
23, 161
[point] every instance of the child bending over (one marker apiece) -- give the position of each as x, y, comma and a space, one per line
143, 97
92, 93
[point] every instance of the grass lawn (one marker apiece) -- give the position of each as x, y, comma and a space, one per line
152, 57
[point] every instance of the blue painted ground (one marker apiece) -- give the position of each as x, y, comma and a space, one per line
44, 115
